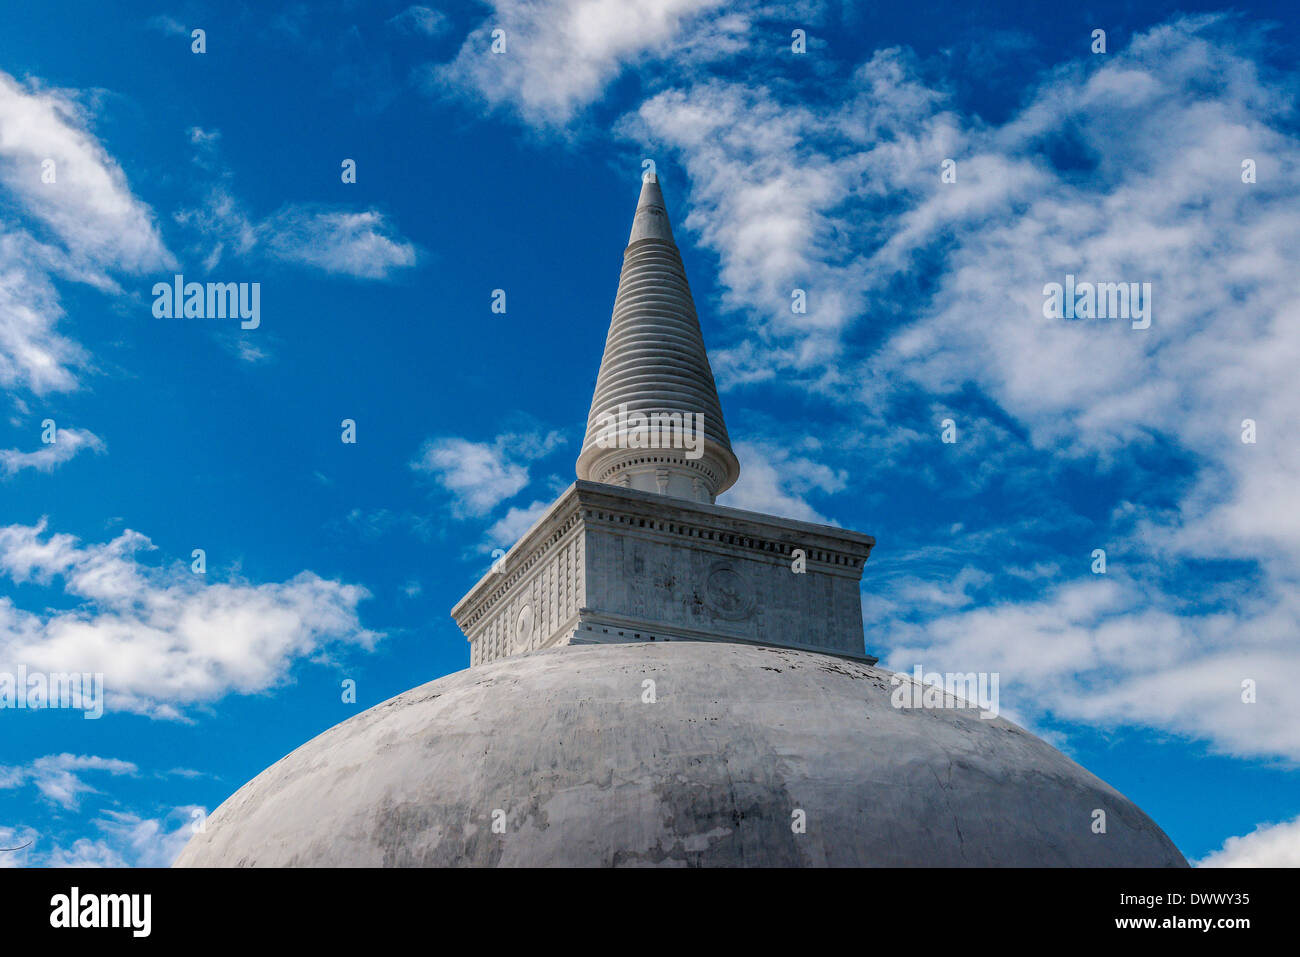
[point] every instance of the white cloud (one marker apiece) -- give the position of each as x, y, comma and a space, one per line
68, 443
481, 475
204, 138
1207, 243
89, 208
32, 353
148, 842
250, 353
56, 776
168, 25
127, 840
561, 54
1107, 652
164, 638
84, 226
846, 202
1221, 348
779, 191
508, 529
784, 190
775, 482
1269, 845
16, 844
915, 593
84, 853
336, 240
764, 201
361, 244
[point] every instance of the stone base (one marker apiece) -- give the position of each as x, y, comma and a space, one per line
607, 564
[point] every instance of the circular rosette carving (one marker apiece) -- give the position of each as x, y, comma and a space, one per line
524, 628
727, 592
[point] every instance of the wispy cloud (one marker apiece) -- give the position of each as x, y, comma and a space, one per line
928, 295
58, 776
148, 841
421, 20
340, 241
775, 191
481, 475
361, 244
124, 839
68, 442
18, 844
81, 222
168, 25
560, 54
374, 523
777, 483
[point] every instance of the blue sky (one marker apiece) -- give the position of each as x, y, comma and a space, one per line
519, 171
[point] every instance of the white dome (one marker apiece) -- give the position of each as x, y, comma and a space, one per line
711, 773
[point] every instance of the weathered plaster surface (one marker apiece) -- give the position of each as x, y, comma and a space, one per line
738, 738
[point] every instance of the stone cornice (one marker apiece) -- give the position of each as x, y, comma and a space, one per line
560, 522
830, 547
707, 527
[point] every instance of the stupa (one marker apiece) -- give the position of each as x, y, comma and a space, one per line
659, 680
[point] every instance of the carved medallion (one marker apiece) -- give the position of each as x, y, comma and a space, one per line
524, 628
727, 592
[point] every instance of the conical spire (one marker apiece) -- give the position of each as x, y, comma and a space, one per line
655, 377
651, 220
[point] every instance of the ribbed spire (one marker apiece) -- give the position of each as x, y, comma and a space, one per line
655, 362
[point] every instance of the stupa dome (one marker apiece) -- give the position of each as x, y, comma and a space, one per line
659, 680
564, 749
